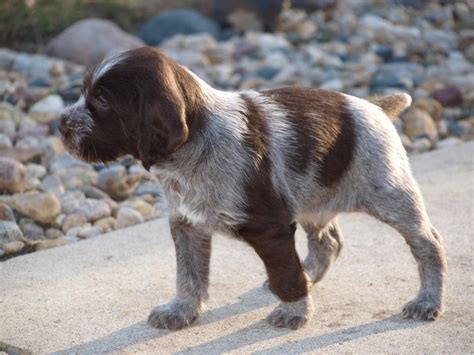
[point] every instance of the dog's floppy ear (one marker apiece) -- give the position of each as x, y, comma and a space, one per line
162, 127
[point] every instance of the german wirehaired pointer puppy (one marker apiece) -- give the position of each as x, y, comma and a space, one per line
251, 165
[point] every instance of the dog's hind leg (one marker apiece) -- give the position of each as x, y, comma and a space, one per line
401, 206
324, 246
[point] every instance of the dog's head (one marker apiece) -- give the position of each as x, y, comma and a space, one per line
138, 102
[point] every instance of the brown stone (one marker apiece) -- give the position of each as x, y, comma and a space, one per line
23, 155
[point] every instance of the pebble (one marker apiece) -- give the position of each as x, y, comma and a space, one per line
89, 232
50, 243
91, 208
422, 145
12, 175
431, 106
6, 213
105, 224
53, 233
52, 184
459, 129
419, 123
73, 220
117, 183
144, 208
43, 207
126, 217
5, 141
31, 230
13, 247
448, 96
9, 231
48, 109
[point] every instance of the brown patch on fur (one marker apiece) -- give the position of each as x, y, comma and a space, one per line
269, 228
393, 105
324, 131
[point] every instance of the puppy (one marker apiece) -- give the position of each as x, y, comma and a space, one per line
252, 165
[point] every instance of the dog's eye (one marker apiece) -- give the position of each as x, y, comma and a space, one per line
102, 102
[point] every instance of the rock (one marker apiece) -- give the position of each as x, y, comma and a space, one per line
181, 21
31, 230
93, 192
89, 232
36, 171
7, 127
105, 224
77, 177
48, 109
127, 216
50, 243
459, 129
12, 176
448, 143
74, 220
53, 233
58, 221
66, 161
53, 184
431, 106
449, 96
92, 209
116, 183
91, 40
242, 21
5, 141
422, 145
23, 155
9, 231
74, 231
42, 207
145, 209
419, 123
381, 80
6, 213
267, 72
383, 27
295, 24
35, 66
148, 189
13, 247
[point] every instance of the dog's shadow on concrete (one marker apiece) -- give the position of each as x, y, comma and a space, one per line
257, 332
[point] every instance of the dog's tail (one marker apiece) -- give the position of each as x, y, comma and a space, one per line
393, 104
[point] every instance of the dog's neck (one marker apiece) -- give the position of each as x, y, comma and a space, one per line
218, 129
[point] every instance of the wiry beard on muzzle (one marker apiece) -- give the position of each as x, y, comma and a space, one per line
78, 124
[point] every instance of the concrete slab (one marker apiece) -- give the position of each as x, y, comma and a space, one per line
94, 296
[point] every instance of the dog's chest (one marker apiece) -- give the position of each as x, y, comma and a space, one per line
201, 201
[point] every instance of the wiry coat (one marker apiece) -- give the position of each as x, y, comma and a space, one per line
252, 165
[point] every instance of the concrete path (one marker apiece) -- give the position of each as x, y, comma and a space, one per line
94, 296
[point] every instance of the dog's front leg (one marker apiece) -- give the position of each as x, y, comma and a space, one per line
276, 247
193, 250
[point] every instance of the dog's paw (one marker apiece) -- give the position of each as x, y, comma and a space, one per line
174, 315
292, 315
422, 308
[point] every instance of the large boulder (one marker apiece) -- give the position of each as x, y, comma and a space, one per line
89, 41
182, 21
